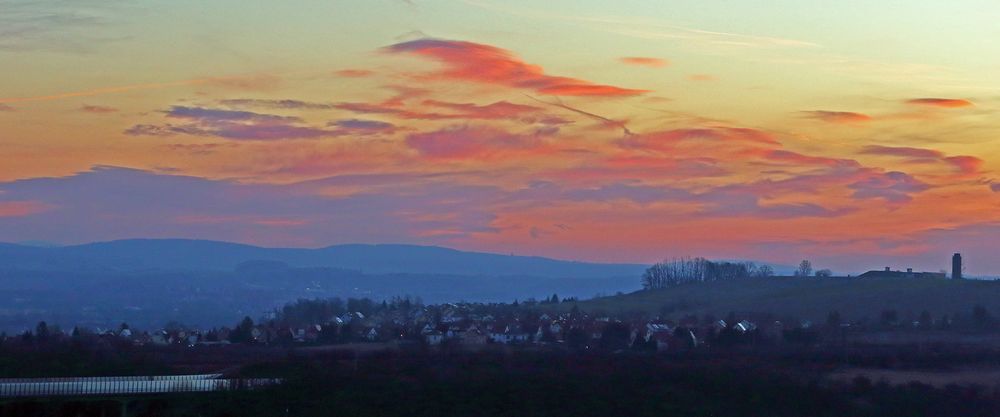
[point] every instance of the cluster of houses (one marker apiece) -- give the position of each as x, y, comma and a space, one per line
466, 325
470, 325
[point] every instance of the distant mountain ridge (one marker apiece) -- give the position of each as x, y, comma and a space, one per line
190, 255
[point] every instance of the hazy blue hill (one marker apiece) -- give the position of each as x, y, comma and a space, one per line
180, 254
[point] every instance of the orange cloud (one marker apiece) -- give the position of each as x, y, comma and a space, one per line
667, 139
22, 208
354, 73
4, 107
475, 142
795, 158
964, 164
701, 77
840, 117
87, 108
645, 61
940, 102
902, 151
468, 61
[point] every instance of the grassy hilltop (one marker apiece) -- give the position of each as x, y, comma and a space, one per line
807, 298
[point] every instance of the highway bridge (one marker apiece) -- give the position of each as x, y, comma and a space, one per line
125, 385
121, 393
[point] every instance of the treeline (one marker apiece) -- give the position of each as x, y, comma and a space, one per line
685, 270
305, 311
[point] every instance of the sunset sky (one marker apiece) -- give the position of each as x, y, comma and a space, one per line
857, 134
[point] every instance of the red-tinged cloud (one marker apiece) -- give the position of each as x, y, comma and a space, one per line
471, 142
4, 107
22, 208
474, 62
363, 127
666, 140
354, 73
701, 77
444, 110
902, 151
366, 108
963, 164
97, 109
645, 61
798, 159
842, 117
497, 110
941, 102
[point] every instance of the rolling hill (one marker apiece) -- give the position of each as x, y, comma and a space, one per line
200, 255
150, 282
808, 298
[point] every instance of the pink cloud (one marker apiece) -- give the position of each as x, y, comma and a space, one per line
701, 77
795, 158
497, 110
901, 151
468, 61
666, 139
22, 208
940, 102
354, 73
645, 61
444, 110
841, 117
471, 142
963, 164
87, 108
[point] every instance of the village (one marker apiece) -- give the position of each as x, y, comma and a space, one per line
472, 326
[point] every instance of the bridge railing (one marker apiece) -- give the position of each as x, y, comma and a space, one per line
128, 386
115, 378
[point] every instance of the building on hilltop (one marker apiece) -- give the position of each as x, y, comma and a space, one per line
888, 273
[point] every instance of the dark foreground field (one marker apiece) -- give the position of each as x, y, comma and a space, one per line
524, 383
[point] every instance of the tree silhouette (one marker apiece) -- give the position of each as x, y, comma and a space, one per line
805, 269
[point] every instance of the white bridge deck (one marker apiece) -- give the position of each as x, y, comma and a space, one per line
126, 385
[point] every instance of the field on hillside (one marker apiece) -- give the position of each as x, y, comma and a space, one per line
808, 298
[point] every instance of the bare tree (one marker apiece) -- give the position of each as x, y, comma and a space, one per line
763, 271
805, 269
685, 270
